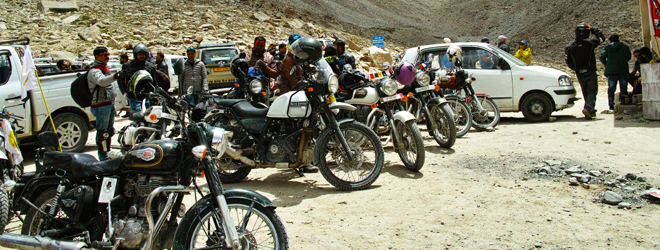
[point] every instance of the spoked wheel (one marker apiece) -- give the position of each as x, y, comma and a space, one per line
34, 222
444, 129
462, 116
338, 169
231, 171
412, 153
258, 227
484, 119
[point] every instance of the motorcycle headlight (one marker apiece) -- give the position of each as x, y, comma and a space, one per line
220, 140
423, 79
333, 84
388, 87
255, 86
565, 81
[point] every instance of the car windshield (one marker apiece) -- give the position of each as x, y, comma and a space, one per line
215, 55
508, 56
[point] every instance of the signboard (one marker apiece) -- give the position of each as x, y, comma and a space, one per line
378, 41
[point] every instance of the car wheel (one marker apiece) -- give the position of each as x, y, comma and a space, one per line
537, 107
72, 130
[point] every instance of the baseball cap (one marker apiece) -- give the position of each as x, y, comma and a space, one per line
501, 37
447, 40
190, 49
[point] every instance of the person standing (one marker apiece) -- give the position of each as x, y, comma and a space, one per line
99, 81
160, 63
580, 58
258, 57
485, 57
502, 44
287, 76
615, 57
346, 57
524, 53
140, 62
194, 74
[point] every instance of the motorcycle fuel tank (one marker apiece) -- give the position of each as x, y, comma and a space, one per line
160, 155
295, 102
364, 96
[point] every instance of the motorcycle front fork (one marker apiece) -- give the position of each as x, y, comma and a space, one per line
330, 116
482, 110
215, 185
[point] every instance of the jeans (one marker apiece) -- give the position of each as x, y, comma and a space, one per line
612, 80
105, 121
589, 86
136, 105
194, 98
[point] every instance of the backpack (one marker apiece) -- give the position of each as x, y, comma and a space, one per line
80, 91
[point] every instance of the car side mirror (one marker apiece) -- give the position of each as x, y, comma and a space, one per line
502, 64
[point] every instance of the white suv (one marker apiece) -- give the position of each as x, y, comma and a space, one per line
515, 86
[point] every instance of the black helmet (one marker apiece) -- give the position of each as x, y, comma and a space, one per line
239, 66
581, 31
140, 48
485, 40
307, 50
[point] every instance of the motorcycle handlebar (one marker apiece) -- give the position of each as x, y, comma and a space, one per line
164, 94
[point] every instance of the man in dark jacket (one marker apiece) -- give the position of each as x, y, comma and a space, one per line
580, 58
346, 57
615, 57
140, 62
160, 63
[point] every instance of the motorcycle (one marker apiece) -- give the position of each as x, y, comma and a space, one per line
386, 115
462, 114
11, 161
423, 100
297, 130
73, 201
251, 84
484, 112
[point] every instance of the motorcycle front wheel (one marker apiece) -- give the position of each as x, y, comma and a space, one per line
462, 116
444, 129
412, 153
489, 118
338, 169
258, 227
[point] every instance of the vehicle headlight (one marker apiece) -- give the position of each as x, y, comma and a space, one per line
220, 139
565, 81
423, 79
255, 86
333, 84
388, 87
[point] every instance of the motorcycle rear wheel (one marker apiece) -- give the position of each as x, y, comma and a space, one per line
33, 222
490, 119
462, 116
367, 151
445, 127
412, 154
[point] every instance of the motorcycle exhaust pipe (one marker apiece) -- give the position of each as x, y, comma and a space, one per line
237, 156
25, 242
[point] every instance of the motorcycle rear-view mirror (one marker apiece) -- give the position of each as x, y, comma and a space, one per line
48, 139
178, 66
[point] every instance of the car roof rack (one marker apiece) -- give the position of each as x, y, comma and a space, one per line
25, 41
209, 45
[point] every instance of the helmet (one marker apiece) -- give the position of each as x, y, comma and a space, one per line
485, 40
307, 50
140, 48
141, 81
330, 51
581, 31
405, 73
454, 53
239, 66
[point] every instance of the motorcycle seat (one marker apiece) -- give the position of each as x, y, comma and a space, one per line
136, 117
80, 165
229, 102
249, 110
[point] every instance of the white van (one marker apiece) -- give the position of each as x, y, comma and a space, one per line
515, 86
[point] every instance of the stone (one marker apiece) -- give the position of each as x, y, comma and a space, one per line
625, 205
607, 142
575, 132
3, 26
188, 13
210, 15
573, 170
552, 162
612, 198
538, 245
89, 34
293, 23
585, 139
56, 6
584, 179
573, 181
207, 26
70, 19
594, 173
51, 42
629, 189
379, 56
114, 44
260, 16
641, 179
631, 176
138, 32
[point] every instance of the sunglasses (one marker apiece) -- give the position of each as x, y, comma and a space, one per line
262, 43
105, 54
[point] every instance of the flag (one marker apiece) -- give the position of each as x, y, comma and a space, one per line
28, 73
11, 144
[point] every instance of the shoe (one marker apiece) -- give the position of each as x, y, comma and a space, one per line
310, 169
587, 114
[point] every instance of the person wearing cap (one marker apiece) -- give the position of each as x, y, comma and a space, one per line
485, 57
258, 57
194, 74
524, 53
287, 79
502, 44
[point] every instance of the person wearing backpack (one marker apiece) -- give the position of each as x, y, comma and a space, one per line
99, 81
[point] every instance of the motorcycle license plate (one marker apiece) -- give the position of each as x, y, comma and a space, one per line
392, 98
427, 88
221, 69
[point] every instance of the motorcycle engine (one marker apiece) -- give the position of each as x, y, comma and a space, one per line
275, 152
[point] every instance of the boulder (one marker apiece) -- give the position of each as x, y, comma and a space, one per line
293, 23
56, 6
3, 26
58, 55
70, 19
379, 56
114, 44
210, 15
260, 16
612, 198
90, 34
207, 26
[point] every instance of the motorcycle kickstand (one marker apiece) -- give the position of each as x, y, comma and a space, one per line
299, 171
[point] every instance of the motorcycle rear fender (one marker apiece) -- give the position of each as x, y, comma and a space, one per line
235, 193
403, 116
482, 94
437, 100
452, 97
341, 105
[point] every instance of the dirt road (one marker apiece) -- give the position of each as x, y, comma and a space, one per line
480, 194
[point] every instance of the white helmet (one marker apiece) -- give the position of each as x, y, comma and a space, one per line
454, 53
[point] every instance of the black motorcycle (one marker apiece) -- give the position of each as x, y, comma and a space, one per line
300, 129
251, 83
134, 202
